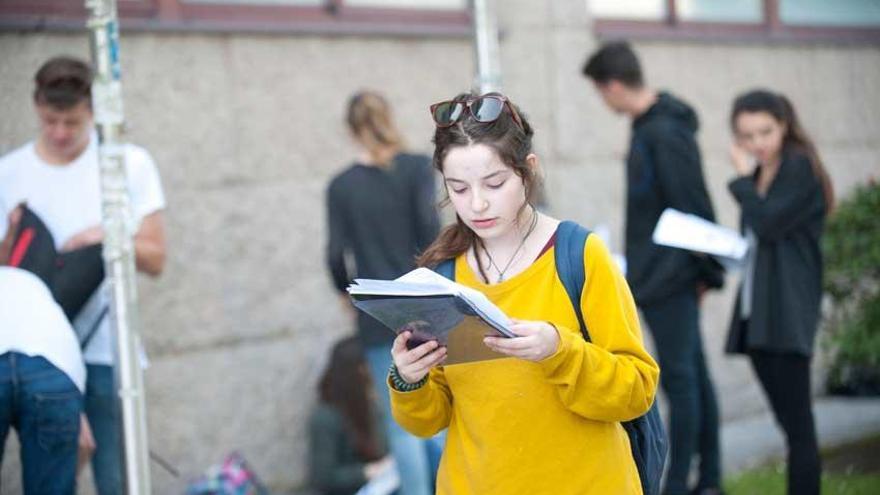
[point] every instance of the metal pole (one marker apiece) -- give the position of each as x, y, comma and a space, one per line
486, 49
118, 244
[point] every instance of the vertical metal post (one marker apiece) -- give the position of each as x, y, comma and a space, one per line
118, 240
486, 51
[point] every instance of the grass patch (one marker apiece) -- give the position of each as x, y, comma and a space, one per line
771, 481
852, 469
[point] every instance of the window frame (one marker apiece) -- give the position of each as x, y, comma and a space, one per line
331, 17
771, 28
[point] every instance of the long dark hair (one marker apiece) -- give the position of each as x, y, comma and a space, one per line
510, 142
781, 109
346, 386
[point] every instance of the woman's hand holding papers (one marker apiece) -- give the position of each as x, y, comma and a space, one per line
536, 341
414, 364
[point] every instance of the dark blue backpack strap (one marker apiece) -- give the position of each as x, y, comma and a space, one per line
571, 239
646, 434
447, 269
647, 438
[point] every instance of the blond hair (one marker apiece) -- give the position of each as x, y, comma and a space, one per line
369, 119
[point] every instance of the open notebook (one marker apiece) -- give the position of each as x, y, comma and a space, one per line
433, 307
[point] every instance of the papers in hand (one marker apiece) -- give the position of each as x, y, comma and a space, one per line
385, 483
433, 307
687, 231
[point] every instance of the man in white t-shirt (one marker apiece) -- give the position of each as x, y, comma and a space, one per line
57, 176
42, 381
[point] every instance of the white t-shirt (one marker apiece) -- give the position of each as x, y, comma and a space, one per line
68, 200
34, 324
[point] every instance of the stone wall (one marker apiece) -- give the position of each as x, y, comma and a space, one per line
248, 129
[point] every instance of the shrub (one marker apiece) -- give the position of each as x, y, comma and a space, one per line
851, 247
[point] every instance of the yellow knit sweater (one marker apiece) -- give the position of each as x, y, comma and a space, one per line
519, 427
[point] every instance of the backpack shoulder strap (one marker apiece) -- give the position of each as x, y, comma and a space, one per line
571, 239
447, 269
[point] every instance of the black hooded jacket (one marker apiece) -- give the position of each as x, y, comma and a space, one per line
664, 170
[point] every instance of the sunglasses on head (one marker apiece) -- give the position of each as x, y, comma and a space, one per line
485, 108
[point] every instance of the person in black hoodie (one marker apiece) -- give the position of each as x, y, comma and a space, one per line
664, 170
381, 213
784, 193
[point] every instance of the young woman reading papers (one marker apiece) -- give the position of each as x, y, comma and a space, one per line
546, 420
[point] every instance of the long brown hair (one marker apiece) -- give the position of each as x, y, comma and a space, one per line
510, 142
781, 109
369, 119
346, 386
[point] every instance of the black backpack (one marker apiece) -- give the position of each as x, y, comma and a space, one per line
72, 276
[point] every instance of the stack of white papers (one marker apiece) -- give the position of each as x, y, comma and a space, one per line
423, 282
433, 308
385, 483
687, 231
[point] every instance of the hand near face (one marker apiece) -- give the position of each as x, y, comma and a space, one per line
536, 341
742, 161
87, 237
413, 365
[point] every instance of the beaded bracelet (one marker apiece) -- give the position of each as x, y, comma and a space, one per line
401, 385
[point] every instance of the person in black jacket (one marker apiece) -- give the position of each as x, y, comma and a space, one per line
664, 170
382, 213
784, 194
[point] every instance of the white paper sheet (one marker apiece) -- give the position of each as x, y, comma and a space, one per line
687, 231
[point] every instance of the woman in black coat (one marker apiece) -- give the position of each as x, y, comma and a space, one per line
784, 194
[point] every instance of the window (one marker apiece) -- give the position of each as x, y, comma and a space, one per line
750, 11
738, 19
653, 10
423, 4
396, 17
830, 13
312, 3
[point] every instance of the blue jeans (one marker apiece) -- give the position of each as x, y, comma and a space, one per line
693, 410
43, 405
102, 409
416, 459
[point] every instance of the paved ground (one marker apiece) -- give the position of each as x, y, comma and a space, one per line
754, 440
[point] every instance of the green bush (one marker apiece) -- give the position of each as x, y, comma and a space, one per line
851, 247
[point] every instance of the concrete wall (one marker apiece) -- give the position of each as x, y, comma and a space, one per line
247, 130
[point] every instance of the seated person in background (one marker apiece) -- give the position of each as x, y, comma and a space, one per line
347, 446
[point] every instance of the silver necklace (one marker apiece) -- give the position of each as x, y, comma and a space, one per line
522, 243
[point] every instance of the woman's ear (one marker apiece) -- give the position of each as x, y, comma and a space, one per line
534, 165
